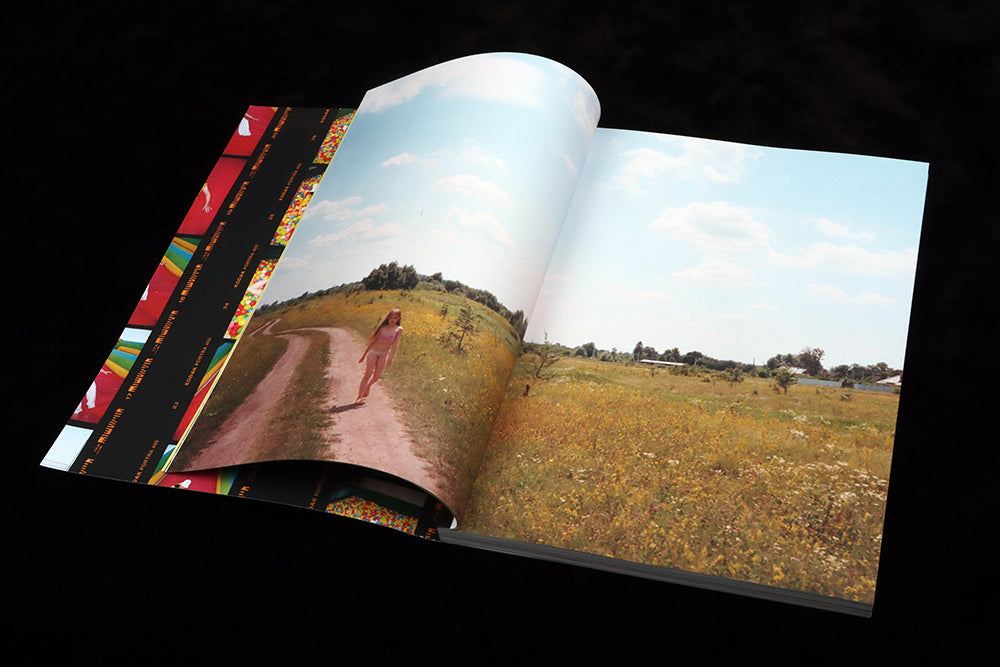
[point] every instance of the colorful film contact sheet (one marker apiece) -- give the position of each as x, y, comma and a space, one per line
356, 507
251, 298
90, 435
334, 137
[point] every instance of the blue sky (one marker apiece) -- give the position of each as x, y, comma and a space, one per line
466, 168
740, 252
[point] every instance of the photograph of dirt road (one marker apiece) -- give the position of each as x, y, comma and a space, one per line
290, 390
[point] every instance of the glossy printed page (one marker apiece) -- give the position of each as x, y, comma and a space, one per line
394, 317
711, 383
465, 169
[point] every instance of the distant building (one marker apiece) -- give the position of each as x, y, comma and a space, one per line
895, 381
660, 363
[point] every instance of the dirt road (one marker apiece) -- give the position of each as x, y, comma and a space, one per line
369, 434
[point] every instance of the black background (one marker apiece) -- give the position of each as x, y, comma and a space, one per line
115, 115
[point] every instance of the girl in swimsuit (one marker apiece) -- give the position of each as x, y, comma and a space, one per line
380, 352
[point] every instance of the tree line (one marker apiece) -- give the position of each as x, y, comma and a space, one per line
809, 359
394, 276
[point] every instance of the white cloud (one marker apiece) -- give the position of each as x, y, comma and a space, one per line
475, 187
290, 263
471, 151
717, 270
374, 209
837, 294
721, 229
717, 161
402, 158
643, 168
332, 210
839, 231
361, 230
343, 209
717, 227
483, 221
699, 160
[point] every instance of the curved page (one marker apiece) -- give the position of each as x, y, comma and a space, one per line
395, 315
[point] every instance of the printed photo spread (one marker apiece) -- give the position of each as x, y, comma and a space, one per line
465, 311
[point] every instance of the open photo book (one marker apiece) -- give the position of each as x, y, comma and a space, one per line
464, 311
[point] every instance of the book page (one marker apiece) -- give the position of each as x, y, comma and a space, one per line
712, 374
392, 322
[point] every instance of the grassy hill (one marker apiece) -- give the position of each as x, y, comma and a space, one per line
447, 396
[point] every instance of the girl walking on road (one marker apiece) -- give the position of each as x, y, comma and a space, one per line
380, 352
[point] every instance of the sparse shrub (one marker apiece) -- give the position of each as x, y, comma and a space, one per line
733, 375
784, 378
546, 356
463, 327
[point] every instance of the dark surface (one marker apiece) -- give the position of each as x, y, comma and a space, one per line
116, 116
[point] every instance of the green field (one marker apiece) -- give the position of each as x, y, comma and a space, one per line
693, 472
